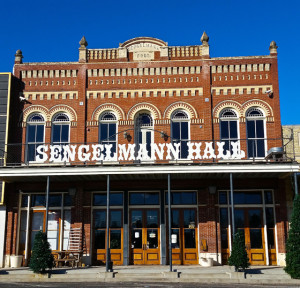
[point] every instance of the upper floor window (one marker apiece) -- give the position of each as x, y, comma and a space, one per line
60, 129
144, 131
255, 120
108, 130
34, 135
180, 131
228, 128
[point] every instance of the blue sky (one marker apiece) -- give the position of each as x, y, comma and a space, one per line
50, 31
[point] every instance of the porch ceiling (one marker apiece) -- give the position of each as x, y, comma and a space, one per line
147, 172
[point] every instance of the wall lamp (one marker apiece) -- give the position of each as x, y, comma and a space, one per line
164, 135
212, 190
127, 136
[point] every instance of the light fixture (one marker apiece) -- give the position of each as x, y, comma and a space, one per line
127, 136
212, 189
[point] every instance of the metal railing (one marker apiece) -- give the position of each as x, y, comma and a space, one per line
164, 151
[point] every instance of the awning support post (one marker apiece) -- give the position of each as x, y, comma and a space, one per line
296, 183
47, 204
169, 220
108, 260
232, 205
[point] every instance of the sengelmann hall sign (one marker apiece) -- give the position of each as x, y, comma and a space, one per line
128, 152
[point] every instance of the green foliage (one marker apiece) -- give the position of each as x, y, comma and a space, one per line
239, 258
41, 257
293, 242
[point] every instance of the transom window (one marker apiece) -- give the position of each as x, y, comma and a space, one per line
34, 135
255, 120
108, 130
228, 128
180, 131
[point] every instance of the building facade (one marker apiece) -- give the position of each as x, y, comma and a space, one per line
123, 129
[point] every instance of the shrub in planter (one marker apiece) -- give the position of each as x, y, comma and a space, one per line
41, 257
238, 257
293, 242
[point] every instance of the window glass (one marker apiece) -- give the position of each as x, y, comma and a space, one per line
38, 200
247, 198
99, 219
189, 218
67, 200
55, 200
115, 219
268, 197
144, 198
270, 217
222, 197
224, 217
24, 200
115, 199
182, 198
224, 129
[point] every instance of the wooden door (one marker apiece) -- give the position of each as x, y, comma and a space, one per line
115, 237
37, 224
250, 221
184, 236
145, 238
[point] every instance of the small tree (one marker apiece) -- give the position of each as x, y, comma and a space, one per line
239, 258
293, 242
41, 258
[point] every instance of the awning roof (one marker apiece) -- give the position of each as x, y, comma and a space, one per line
147, 171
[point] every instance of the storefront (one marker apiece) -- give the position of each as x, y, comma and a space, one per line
111, 137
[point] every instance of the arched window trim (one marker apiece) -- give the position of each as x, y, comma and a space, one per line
40, 118
35, 126
233, 113
103, 116
258, 141
255, 109
63, 121
181, 118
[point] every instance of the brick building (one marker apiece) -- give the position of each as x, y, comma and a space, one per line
140, 123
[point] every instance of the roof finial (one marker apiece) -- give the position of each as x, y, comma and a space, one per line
18, 57
204, 39
83, 43
273, 47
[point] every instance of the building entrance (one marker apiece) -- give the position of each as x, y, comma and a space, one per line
250, 222
184, 236
144, 237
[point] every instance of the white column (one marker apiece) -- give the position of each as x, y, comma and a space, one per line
2, 234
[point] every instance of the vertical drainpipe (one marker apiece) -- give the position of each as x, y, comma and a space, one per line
169, 220
107, 226
47, 204
232, 205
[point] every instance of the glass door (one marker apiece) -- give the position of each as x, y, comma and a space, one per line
184, 236
250, 222
115, 237
145, 249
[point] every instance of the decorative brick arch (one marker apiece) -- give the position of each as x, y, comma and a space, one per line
34, 109
180, 105
63, 108
227, 104
108, 107
144, 106
257, 103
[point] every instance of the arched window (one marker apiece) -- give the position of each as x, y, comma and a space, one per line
255, 133
60, 129
108, 130
180, 131
144, 131
228, 128
34, 135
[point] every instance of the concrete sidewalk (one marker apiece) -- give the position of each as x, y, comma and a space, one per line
189, 274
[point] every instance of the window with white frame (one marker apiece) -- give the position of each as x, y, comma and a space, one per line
228, 128
34, 135
255, 121
144, 131
108, 130
180, 131
60, 129
33, 211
